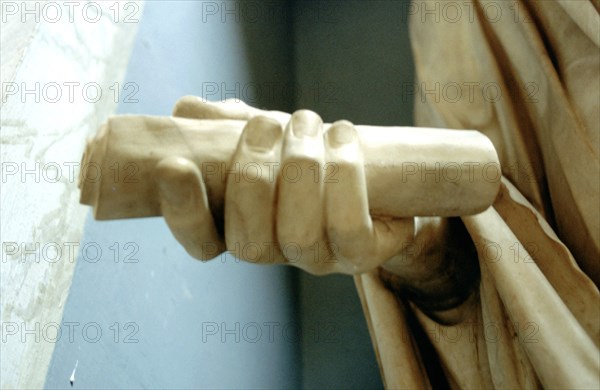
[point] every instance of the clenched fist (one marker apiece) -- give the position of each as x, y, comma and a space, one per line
294, 195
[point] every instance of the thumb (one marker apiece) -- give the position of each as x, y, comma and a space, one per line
186, 209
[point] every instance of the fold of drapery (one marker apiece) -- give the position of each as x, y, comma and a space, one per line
536, 324
534, 92
530, 81
398, 356
560, 348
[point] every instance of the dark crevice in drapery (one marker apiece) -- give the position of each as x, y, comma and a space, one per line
527, 127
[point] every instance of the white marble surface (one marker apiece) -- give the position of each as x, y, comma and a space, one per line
58, 59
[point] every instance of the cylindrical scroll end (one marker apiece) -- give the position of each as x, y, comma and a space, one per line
429, 172
118, 167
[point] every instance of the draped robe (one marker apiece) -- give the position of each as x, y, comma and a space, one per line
528, 75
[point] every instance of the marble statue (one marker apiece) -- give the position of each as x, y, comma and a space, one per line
475, 254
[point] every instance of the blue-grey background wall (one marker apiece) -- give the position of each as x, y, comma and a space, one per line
168, 321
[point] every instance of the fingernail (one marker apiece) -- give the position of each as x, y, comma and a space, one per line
305, 123
262, 133
340, 133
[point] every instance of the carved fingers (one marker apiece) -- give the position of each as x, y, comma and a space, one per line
251, 193
185, 207
183, 197
364, 243
199, 108
300, 206
301, 199
297, 196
